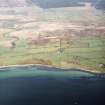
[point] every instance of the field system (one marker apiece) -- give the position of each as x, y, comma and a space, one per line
64, 37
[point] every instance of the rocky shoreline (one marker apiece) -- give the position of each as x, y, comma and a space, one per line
97, 75
55, 67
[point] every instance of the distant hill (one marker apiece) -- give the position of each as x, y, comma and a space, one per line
99, 4
43, 3
61, 3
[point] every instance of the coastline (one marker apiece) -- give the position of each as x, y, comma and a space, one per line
55, 67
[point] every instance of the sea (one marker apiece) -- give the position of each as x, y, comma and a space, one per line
38, 85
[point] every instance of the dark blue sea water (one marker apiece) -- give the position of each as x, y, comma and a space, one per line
48, 86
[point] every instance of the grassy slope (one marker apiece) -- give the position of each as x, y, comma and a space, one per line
72, 56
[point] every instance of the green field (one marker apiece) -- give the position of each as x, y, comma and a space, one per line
75, 54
